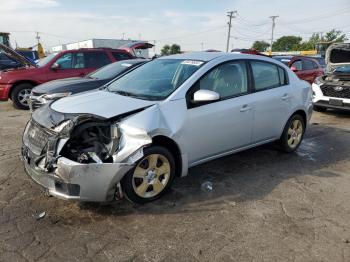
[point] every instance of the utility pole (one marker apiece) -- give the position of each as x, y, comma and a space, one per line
273, 28
37, 37
123, 36
231, 14
202, 46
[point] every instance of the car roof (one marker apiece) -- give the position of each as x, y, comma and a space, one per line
207, 56
203, 56
133, 61
95, 49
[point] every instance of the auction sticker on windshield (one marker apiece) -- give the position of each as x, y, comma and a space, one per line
192, 62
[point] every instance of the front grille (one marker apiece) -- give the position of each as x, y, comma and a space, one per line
36, 137
331, 90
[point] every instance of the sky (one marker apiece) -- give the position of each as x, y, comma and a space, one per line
193, 24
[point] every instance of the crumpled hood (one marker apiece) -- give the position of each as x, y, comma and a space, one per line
337, 55
100, 103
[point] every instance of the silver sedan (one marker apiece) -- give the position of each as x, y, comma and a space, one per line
154, 123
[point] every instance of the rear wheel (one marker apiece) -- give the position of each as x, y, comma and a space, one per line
151, 177
293, 134
320, 109
20, 95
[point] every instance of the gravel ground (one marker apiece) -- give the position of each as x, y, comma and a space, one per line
264, 206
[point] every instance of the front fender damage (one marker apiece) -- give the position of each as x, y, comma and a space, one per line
92, 157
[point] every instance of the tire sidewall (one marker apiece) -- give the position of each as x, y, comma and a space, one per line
126, 182
15, 92
284, 137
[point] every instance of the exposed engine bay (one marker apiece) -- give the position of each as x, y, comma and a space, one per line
90, 143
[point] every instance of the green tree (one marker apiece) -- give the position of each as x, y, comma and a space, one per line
165, 50
287, 43
260, 46
335, 36
170, 50
175, 49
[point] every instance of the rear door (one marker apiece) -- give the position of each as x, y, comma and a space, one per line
94, 60
272, 94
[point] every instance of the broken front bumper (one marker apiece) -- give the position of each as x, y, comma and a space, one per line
75, 181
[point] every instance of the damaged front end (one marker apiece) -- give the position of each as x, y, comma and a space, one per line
80, 156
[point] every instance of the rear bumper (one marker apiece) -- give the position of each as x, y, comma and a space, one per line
75, 181
4, 91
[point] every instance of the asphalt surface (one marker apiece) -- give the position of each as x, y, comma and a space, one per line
264, 206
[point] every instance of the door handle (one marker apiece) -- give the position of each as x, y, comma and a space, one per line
285, 96
245, 108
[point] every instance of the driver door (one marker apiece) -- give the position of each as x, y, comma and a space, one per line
70, 65
219, 127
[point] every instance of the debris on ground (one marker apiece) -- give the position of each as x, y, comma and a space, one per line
207, 186
40, 215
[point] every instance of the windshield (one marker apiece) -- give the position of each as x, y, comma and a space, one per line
46, 60
343, 69
155, 80
112, 70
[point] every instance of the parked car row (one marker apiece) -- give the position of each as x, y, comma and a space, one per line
17, 84
153, 122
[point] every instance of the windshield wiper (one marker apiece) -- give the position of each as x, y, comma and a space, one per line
124, 93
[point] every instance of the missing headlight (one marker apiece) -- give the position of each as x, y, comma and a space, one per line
90, 142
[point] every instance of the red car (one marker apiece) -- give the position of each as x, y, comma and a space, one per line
306, 68
16, 84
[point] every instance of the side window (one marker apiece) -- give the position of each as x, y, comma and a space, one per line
65, 61
298, 65
308, 65
79, 61
229, 79
121, 56
96, 59
266, 75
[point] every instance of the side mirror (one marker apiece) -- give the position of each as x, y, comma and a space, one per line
55, 66
294, 69
201, 96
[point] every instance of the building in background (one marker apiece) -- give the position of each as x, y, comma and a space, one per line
141, 48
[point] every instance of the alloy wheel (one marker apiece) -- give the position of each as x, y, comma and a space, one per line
295, 133
23, 96
151, 175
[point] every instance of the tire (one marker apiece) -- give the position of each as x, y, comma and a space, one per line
146, 181
19, 95
320, 109
292, 135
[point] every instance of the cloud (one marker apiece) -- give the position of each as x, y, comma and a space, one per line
17, 5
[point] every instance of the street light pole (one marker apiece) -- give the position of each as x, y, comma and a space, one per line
273, 28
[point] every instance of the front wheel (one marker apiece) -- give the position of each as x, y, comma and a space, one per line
20, 95
293, 134
151, 177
